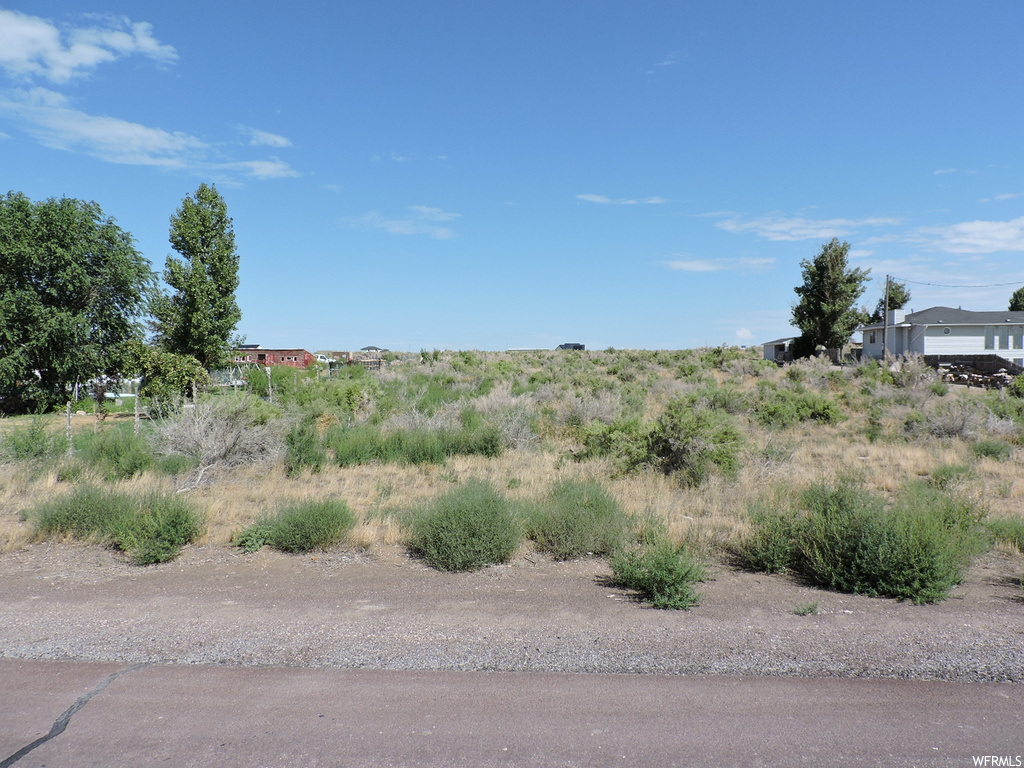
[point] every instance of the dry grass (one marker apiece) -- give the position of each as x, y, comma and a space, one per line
708, 517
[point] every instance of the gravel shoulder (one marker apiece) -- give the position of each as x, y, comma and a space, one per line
384, 610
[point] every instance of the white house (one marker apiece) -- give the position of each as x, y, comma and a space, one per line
779, 350
945, 332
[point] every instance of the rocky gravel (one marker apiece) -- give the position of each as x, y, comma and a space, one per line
385, 610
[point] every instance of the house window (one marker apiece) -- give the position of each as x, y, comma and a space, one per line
990, 337
947, 330
1004, 338
871, 338
1018, 337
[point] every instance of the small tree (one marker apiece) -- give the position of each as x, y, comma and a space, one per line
899, 297
199, 318
826, 312
1017, 301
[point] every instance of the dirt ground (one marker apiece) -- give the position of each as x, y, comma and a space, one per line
385, 610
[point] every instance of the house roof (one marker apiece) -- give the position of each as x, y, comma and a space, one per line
950, 316
786, 340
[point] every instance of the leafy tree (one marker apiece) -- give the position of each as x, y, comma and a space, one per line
899, 297
166, 376
825, 313
72, 289
199, 318
1017, 301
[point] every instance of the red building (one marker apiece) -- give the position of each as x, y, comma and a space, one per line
255, 354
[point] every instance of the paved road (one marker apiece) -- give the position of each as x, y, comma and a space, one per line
57, 714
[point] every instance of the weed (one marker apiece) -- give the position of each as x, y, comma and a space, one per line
991, 449
300, 527
117, 452
1009, 530
770, 545
663, 574
694, 443
303, 450
152, 529
32, 441
576, 519
806, 609
465, 529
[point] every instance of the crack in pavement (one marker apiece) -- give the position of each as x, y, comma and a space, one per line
61, 723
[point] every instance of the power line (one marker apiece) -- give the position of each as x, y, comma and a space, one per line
941, 285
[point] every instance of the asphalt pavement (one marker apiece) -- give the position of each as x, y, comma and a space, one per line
56, 714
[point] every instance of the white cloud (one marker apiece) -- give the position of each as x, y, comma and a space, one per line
50, 118
258, 138
32, 47
944, 171
974, 236
792, 229
744, 333
263, 169
54, 122
421, 223
742, 264
604, 200
434, 214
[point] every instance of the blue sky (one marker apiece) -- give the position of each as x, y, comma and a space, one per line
483, 175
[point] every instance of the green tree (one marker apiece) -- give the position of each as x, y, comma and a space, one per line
1017, 301
899, 297
72, 291
166, 376
826, 313
199, 317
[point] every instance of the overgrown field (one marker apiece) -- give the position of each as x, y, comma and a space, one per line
865, 478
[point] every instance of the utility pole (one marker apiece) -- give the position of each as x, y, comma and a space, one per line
885, 322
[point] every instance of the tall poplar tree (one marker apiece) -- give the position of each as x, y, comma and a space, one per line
826, 312
200, 316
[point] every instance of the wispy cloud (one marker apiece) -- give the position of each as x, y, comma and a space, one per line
35, 50
422, 222
49, 117
797, 228
604, 200
258, 138
973, 236
744, 334
668, 61
32, 47
742, 264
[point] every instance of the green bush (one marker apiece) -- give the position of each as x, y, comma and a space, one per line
949, 476
917, 549
664, 575
769, 547
467, 528
303, 450
301, 527
695, 442
991, 449
625, 441
117, 452
1008, 529
32, 441
152, 529
777, 407
253, 538
366, 443
576, 519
